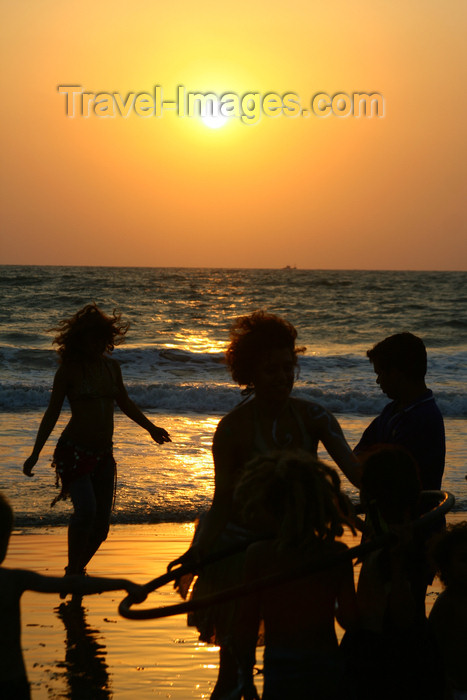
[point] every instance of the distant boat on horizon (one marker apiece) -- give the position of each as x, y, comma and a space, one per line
290, 267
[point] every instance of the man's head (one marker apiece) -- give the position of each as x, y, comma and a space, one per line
399, 361
403, 351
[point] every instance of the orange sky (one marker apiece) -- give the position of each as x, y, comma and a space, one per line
334, 192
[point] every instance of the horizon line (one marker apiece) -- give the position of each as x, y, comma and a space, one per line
287, 268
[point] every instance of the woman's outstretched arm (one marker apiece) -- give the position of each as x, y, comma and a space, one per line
49, 419
130, 409
331, 435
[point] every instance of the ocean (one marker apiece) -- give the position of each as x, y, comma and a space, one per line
172, 364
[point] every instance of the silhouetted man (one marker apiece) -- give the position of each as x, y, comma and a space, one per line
412, 419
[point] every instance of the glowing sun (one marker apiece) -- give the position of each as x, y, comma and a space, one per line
214, 118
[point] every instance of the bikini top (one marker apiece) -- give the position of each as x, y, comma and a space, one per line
97, 381
308, 442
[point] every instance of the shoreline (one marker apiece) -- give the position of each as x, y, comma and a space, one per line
93, 652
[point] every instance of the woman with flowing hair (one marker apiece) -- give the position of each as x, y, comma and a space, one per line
262, 358
83, 459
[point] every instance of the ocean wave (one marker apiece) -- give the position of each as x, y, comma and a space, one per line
138, 359
23, 360
218, 399
456, 323
177, 380
178, 355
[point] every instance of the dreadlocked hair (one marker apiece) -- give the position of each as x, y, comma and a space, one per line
299, 495
88, 321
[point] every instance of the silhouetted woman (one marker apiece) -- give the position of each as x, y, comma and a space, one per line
83, 459
262, 357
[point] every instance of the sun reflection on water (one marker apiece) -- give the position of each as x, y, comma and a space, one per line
172, 482
202, 342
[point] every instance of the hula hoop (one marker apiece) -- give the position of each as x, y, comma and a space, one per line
446, 502
193, 568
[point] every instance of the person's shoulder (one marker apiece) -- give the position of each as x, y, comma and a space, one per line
424, 409
304, 403
69, 370
387, 411
232, 433
226, 430
310, 409
431, 405
316, 417
65, 369
238, 415
111, 363
226, 422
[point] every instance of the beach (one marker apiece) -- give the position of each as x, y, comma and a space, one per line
97, 653
172, 364
93, 652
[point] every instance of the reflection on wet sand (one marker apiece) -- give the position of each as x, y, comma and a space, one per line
86, 670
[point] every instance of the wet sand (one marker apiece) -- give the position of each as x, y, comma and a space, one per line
93, 652
96, 653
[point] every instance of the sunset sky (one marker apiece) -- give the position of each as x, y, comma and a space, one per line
380, 192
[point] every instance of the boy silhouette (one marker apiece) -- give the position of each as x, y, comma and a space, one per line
412, 419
